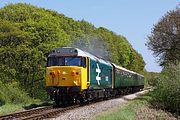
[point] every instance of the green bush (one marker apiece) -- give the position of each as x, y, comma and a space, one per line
167, 92
11, 93
151, 78
2, 100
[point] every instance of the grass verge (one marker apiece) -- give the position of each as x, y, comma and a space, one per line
13, 99
10, 107
137, 109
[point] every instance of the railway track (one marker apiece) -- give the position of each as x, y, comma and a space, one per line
36, 114
44, 112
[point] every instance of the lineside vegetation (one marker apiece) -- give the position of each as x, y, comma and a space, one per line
164, 41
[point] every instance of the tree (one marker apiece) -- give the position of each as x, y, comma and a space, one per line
164, 40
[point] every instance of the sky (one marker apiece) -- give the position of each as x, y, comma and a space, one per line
134, 19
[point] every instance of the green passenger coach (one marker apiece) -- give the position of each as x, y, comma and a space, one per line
127, 79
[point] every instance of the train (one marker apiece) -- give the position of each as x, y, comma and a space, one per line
76, 76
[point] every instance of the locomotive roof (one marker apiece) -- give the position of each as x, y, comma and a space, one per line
70, 51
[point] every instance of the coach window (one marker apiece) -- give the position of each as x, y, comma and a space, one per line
122, 74
127, 75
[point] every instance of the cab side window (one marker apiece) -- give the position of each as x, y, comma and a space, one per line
83, 62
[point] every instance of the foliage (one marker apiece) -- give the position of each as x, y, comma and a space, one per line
167, 92
164, 40
28, 33
152, 78
9, 93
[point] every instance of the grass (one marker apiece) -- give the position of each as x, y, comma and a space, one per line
137, 109
10, 107
13, 98
124, 112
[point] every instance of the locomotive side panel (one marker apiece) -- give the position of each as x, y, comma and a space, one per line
100, 75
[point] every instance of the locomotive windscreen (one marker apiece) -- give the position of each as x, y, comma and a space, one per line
64, 61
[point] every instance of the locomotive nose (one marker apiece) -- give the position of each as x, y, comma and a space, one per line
63, 76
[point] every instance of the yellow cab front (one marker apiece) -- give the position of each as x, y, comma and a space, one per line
67, 71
